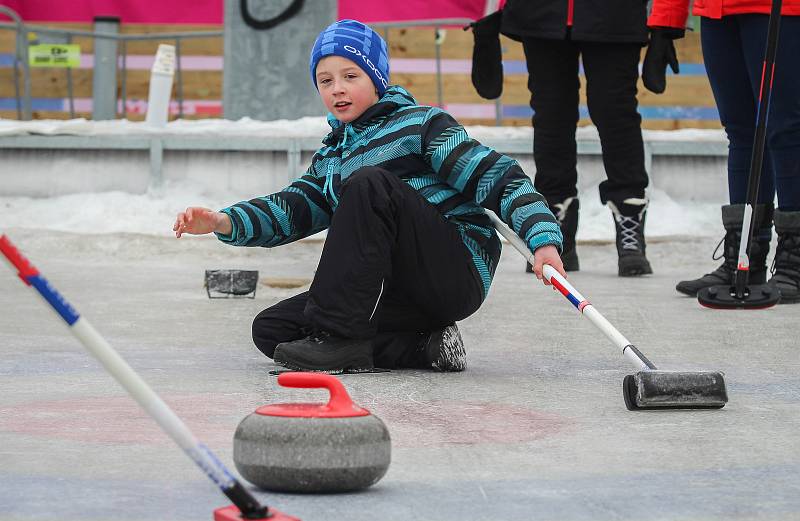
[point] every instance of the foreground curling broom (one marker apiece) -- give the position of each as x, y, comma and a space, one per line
650, 388
245, 506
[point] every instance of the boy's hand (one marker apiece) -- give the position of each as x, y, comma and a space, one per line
198, 221
547, 255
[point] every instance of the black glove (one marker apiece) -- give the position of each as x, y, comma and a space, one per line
487, 60
660, 53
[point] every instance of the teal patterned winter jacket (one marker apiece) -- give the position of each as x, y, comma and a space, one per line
431, 152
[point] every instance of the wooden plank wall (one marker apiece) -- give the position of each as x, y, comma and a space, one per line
205, 86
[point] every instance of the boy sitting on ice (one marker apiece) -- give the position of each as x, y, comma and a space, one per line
401, 189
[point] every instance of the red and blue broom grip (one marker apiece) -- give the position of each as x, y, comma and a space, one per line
31, 276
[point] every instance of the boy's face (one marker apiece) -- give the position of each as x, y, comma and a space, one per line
345, 88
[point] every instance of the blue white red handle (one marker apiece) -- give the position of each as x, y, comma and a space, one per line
580, 302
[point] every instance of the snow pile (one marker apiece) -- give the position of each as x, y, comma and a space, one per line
153, 213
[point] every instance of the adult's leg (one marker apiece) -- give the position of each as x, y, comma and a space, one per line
735, 77
783, 122
611, 75
734, 72
554, 84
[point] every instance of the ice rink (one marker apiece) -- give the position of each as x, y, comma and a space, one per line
535, 429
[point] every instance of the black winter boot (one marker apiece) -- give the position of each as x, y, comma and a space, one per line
732, 215
566, 212
325, 353
786, 267
444, 350
629, 217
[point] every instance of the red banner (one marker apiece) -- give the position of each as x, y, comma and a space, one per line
210, 11
129, 11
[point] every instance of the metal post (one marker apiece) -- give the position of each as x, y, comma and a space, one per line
648, 158
70, 91
16, 75
179, 79
104, 77
22, 36
156, 164
266, 72
124, 86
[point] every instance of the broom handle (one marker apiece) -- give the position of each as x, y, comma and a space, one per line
580, 302
741, 276
131, 381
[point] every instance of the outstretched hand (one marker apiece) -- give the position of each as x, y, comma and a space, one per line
196, 220
547, 255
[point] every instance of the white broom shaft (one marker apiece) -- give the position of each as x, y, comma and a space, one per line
574, 296
116, 365
150, 401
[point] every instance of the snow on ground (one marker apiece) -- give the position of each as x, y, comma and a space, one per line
153, 213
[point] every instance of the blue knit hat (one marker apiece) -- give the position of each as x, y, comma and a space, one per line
357, 42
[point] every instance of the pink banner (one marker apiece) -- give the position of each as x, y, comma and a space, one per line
368, 12
210, 11
129, 11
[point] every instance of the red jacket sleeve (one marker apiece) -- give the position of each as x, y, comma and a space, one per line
669, 13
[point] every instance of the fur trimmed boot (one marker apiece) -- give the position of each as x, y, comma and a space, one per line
732, 216
629, 217
786, 267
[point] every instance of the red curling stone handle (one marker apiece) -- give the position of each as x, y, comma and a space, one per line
339, 403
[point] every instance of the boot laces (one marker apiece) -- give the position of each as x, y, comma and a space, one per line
629, 227
714, 254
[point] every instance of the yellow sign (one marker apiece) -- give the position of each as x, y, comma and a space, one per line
54, 55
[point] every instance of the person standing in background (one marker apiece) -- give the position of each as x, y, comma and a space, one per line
607, 37
733, 36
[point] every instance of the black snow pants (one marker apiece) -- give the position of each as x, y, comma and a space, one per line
611, 71
392, 269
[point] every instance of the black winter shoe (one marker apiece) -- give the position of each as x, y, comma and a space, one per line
567, 214
629, 216
325, 353
732, 215
786, 266
444, 350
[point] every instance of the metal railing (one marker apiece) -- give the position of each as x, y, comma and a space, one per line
21, 57
24, 111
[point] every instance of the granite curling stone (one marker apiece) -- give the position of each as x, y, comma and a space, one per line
312, 447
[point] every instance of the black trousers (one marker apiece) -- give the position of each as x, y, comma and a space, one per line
392, 269
611, 71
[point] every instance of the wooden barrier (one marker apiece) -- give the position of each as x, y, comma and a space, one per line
202, 88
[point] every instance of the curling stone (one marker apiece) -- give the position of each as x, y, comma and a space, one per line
312, 447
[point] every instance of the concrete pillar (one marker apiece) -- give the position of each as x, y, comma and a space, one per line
266, 71
104, 74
